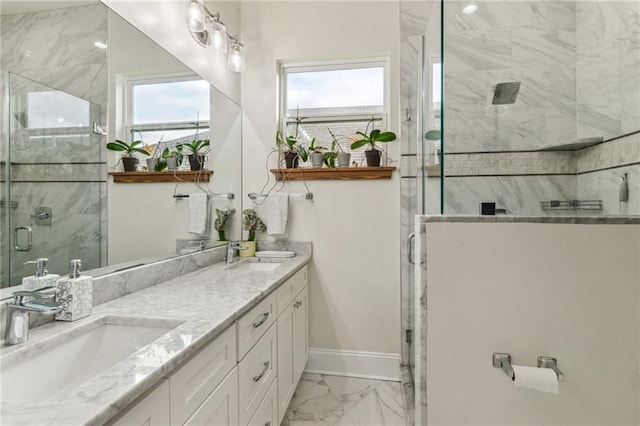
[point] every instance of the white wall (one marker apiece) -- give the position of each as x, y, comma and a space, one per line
162, 21
570, 291
354, 225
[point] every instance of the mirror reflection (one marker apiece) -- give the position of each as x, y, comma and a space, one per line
72, 78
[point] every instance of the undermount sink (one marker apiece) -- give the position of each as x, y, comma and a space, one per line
40, 371
263, 266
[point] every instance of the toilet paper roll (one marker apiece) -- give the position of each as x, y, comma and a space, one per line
540, 379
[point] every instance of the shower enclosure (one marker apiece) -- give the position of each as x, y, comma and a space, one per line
53, 179
562, 141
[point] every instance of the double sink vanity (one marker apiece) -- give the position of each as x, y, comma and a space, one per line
223, 344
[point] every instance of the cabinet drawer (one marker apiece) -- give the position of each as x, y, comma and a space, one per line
221, 406
267, 412
254, 323
194, 381
256, 373
287, 291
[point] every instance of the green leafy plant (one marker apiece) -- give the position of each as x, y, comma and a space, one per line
371, 138
433, 135
128, 148
251, 222
196, 146
221, 220
331, 155
313, 147
290, 144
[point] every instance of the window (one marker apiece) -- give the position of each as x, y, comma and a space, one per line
341, 98
168, 111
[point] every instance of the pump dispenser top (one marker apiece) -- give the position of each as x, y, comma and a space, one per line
41, 278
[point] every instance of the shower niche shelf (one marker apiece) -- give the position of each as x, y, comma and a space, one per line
154, 177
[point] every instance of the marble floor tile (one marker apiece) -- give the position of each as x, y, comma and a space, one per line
345, 401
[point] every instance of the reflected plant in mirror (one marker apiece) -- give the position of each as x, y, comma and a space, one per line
222, 216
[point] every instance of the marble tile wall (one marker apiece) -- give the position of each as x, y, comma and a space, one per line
608, 60
54, 50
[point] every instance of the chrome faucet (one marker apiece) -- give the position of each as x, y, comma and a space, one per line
17, 326
231, 249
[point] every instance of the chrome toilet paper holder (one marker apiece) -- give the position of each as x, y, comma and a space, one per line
503, 361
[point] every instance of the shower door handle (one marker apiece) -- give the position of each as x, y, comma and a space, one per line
412, 237
17, 245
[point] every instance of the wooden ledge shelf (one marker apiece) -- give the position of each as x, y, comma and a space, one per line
339, 173
168, 176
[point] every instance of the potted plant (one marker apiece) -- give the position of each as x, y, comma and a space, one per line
342, 157
129, 161
292, 149
221, 220
372, 154
198, 152
316, 152
251, 222
173, 157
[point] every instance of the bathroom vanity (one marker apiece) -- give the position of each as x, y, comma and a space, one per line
226, 345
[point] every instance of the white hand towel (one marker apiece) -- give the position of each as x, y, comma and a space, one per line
198, 213
277, 214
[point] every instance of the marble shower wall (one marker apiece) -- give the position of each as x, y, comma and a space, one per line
61, 168
530, 41
608, 60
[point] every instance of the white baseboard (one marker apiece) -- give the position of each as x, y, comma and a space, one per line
370, 365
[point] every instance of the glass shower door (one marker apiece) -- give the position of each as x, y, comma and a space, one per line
54, 179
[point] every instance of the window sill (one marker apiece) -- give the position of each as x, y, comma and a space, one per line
340, 173
170, 176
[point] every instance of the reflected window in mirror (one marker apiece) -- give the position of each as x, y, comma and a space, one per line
166, 112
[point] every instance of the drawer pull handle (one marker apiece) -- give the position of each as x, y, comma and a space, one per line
297, 304
261, 375
259, 323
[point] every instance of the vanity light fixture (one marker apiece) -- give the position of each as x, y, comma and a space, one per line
236, 61
213, 33
469, 9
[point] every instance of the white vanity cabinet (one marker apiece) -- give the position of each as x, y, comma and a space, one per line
245, 376
293, 340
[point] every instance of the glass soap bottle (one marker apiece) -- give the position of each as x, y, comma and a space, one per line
42, 278
74, 293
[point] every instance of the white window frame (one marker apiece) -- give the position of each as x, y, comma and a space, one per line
130, 127
286, 67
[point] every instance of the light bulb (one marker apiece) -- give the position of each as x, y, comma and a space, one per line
236, 60
195, 17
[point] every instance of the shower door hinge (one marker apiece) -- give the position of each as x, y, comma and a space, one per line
408, 335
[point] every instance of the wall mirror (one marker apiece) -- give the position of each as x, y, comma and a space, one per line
66, 69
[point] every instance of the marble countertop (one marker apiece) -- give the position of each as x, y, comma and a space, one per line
585, 220
204, 303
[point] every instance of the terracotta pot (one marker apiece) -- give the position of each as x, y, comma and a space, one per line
373, 157
130, 164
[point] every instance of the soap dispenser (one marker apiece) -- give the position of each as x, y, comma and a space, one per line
42, 278
74, 293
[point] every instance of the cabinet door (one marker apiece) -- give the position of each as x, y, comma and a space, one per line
151, 410
301, 333
286, 367
221, 407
